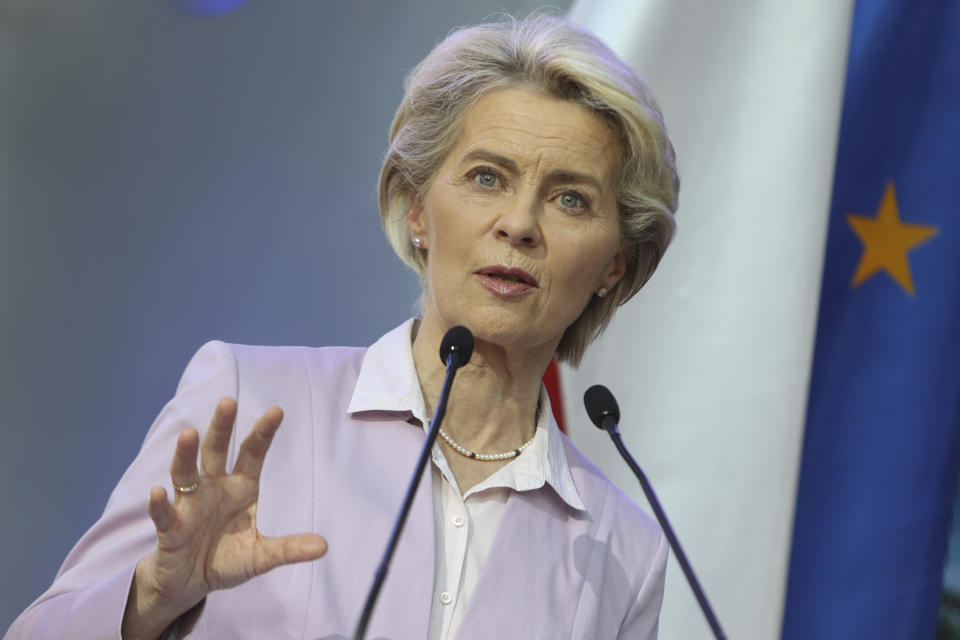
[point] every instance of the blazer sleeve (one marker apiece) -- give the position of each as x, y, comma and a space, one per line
643, 618
89, 594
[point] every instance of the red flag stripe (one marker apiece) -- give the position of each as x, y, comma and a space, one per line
552, 381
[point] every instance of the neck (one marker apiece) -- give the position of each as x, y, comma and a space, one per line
493, 402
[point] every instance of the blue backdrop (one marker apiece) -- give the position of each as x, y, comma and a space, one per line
168, 177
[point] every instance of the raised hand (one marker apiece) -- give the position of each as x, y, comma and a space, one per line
208, 539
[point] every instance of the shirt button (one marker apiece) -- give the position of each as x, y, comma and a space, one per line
459, 521
445, 597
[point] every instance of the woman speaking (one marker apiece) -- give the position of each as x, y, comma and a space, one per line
531, 184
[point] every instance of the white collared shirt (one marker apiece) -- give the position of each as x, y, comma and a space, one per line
465, 525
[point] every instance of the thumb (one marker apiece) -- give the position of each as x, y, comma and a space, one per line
300, 547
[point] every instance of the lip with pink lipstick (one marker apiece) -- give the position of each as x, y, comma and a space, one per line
506, 282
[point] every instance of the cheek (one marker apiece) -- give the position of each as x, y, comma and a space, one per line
588, 265
444, 264
579, 287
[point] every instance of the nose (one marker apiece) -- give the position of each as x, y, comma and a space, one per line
519, 225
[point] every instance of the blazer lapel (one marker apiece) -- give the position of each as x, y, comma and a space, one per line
404, 602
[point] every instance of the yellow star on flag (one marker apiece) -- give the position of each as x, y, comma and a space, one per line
886, 241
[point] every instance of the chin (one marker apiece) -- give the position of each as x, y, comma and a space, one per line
511, 332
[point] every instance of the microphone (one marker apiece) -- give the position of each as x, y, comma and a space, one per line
456, 347
455, 351
601, 407
603, 411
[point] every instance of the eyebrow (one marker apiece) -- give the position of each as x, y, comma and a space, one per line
495, 158
558, 175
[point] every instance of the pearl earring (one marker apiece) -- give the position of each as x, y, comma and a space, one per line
418, 242
601, 292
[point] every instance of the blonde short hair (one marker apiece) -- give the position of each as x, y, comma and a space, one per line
563, 60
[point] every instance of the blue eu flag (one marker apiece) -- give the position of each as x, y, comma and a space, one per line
880, 454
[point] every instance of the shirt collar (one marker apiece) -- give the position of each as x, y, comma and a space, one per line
388, 378
388, 382
544, 461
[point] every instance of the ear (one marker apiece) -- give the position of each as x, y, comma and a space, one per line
416, 219
617, 270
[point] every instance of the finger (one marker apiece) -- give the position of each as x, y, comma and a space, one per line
255, 445
161, 511
301, 547
213, 453
183, 469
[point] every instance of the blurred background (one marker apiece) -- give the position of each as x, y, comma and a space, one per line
173, 172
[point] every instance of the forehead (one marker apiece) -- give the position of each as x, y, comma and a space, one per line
533, 128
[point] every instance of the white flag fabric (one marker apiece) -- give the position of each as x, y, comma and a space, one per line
710, 362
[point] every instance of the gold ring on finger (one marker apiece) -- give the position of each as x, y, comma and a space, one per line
185, 489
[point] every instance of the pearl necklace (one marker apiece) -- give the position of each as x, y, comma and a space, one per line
487, 457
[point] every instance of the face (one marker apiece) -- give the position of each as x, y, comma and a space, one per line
520, 222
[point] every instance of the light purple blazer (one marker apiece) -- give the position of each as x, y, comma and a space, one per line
552, 572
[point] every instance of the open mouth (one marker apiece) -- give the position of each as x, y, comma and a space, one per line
514, 276
504, 277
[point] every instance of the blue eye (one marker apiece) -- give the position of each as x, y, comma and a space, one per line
486, 179
571, 200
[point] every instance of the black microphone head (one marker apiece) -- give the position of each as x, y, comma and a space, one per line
457, 345
600, 403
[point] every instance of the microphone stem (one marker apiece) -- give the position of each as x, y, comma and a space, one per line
381, 573
611, 427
